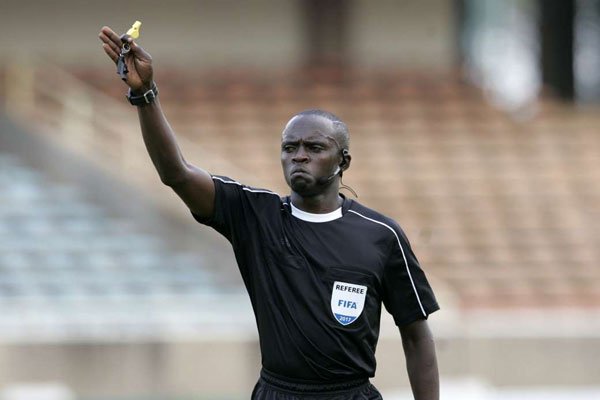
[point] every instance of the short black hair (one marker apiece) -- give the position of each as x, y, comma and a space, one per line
342, 136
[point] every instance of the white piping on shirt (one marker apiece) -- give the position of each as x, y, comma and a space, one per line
247, 189
403, 256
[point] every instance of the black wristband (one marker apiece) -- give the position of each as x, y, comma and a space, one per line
146, 98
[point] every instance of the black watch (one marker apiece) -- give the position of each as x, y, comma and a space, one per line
145, 98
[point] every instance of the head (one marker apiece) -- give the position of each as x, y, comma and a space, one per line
314, 152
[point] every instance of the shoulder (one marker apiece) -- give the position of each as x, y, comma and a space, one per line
236, 198
231, 184
382, 224
368, 216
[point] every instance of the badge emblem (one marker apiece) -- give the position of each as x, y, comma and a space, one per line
347, 301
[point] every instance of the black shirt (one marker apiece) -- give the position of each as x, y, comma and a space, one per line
317, 287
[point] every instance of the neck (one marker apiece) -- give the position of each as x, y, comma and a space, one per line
321, 203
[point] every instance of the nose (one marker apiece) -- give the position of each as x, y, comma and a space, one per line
300, 156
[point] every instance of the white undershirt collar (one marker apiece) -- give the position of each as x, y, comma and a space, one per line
310, 217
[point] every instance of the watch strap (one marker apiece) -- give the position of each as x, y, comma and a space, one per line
146, 98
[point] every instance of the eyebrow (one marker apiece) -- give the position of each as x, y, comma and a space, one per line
308, 142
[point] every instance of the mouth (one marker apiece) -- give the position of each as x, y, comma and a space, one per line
299, 171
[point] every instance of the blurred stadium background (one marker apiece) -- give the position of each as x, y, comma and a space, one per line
474, 123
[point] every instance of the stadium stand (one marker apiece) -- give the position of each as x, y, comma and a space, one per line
498, 209
69, 270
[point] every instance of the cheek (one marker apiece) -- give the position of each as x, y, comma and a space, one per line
285, 161
284, 168
327, 162
284, 164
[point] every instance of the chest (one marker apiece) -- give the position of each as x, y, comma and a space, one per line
334, 250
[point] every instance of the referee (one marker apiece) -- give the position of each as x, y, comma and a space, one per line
317, 266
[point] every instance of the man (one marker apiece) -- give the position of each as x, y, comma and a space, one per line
317, 266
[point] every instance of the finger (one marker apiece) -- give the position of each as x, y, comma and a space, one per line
109, 42
111, 35
110, 52
139, 51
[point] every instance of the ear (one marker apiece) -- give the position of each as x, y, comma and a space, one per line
346, 159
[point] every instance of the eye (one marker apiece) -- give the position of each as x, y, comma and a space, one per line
316, 148
288, 148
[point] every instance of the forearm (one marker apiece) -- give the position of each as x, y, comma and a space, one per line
421, 361
161, 143
421, 364
194, 185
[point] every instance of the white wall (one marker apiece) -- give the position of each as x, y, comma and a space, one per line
408, 34
265, 33
208, 32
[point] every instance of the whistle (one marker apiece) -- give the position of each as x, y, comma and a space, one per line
134, 32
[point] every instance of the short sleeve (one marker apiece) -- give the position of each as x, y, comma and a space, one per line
236, 207
407, 294
242, 214
228, 206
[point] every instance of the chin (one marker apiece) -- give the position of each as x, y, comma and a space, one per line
299, 186
302, 187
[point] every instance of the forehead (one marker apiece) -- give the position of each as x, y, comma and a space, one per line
308, 127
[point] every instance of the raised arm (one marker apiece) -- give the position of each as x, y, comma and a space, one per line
421, 361
192, 184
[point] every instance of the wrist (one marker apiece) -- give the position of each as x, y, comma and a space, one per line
142, 89
143, 96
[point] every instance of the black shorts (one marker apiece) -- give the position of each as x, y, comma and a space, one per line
269, 387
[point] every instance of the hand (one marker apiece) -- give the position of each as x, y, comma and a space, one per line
138, 61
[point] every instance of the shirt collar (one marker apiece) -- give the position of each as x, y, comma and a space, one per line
310, 217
